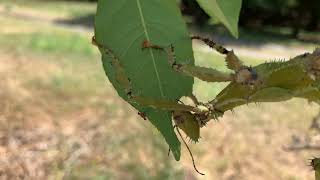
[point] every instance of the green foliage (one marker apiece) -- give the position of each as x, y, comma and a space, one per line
297, 14
123, 26
274, 5
227, 12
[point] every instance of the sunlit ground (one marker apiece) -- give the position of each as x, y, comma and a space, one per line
61, 118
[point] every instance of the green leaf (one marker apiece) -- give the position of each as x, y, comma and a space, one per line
225, 11
122, 26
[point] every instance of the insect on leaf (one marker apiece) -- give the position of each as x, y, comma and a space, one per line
225, 11
123, 26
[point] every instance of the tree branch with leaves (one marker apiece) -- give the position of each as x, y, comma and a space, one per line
147, 56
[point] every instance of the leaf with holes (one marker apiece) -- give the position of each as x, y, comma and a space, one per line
225, 11
123, 26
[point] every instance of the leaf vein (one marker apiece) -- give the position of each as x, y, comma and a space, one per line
150, 50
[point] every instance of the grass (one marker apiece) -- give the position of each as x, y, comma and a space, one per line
61, 8
58, 106
45, 39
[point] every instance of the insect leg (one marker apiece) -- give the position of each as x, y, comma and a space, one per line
219, 48
243, 74
203, 73
233, 62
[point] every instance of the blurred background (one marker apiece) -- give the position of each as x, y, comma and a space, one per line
60, 118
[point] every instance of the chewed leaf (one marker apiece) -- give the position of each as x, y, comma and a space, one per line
123, 26
226, 11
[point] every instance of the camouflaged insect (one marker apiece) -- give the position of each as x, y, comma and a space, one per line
267, 82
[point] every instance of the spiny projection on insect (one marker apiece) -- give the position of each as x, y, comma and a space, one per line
315, 164
268, 82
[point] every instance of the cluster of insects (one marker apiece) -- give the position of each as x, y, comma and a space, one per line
267, 82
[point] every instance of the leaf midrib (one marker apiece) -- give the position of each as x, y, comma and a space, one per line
150, 50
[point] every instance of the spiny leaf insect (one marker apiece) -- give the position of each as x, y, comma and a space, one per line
267, 82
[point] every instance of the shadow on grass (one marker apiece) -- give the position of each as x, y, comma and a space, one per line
86, 21
251, 37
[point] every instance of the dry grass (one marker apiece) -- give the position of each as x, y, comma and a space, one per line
50, 134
